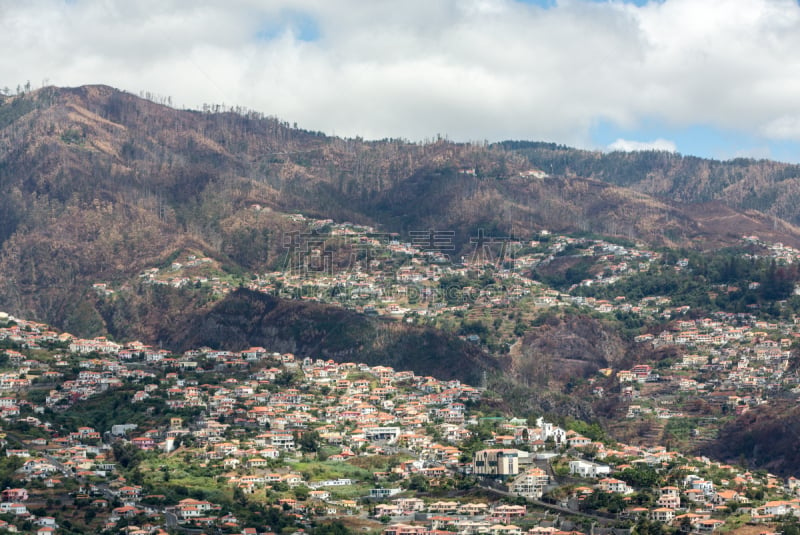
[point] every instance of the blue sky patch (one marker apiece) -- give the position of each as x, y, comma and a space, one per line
547, 4
302, 26
699, 140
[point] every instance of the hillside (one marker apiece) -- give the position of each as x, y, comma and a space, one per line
741, 184
568, 349
765, 438
130, 219
246, 318
99, 184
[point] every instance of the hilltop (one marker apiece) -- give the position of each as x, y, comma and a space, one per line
742, 183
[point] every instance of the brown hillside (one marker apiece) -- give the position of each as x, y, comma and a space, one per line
98, 184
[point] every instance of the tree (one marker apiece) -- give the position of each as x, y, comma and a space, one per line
331, 528
8, 466
418, 482
309, 441
640, 477
127, 455
789, 525
285, 379
645, 526
301, 492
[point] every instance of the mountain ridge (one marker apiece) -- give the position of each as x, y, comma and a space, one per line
99, 183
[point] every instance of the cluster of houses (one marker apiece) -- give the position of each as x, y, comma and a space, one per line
251, 426
191, 270
251, 429
412, 286
735, 360
745, 358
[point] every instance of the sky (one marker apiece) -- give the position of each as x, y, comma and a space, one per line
711, 78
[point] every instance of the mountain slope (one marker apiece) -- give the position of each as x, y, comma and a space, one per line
765, 437
741, 184
247, 318
99, 184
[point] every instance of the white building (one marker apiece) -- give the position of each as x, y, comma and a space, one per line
583, 468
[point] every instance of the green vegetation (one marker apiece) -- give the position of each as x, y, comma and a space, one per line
72, 136
8, 466
640, 477
116, 407
722, 280
606, 502
591, 430
14, 108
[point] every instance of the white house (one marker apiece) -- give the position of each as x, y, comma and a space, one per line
583, 468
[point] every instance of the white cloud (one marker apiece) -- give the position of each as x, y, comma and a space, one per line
626, 145
470, 69
786, 127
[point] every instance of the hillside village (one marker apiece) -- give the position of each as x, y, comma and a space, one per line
208, 438
363, 269
736, 359
127, 218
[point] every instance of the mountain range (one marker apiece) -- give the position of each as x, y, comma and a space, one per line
98, 183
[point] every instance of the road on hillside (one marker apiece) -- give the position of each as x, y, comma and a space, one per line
550, 506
